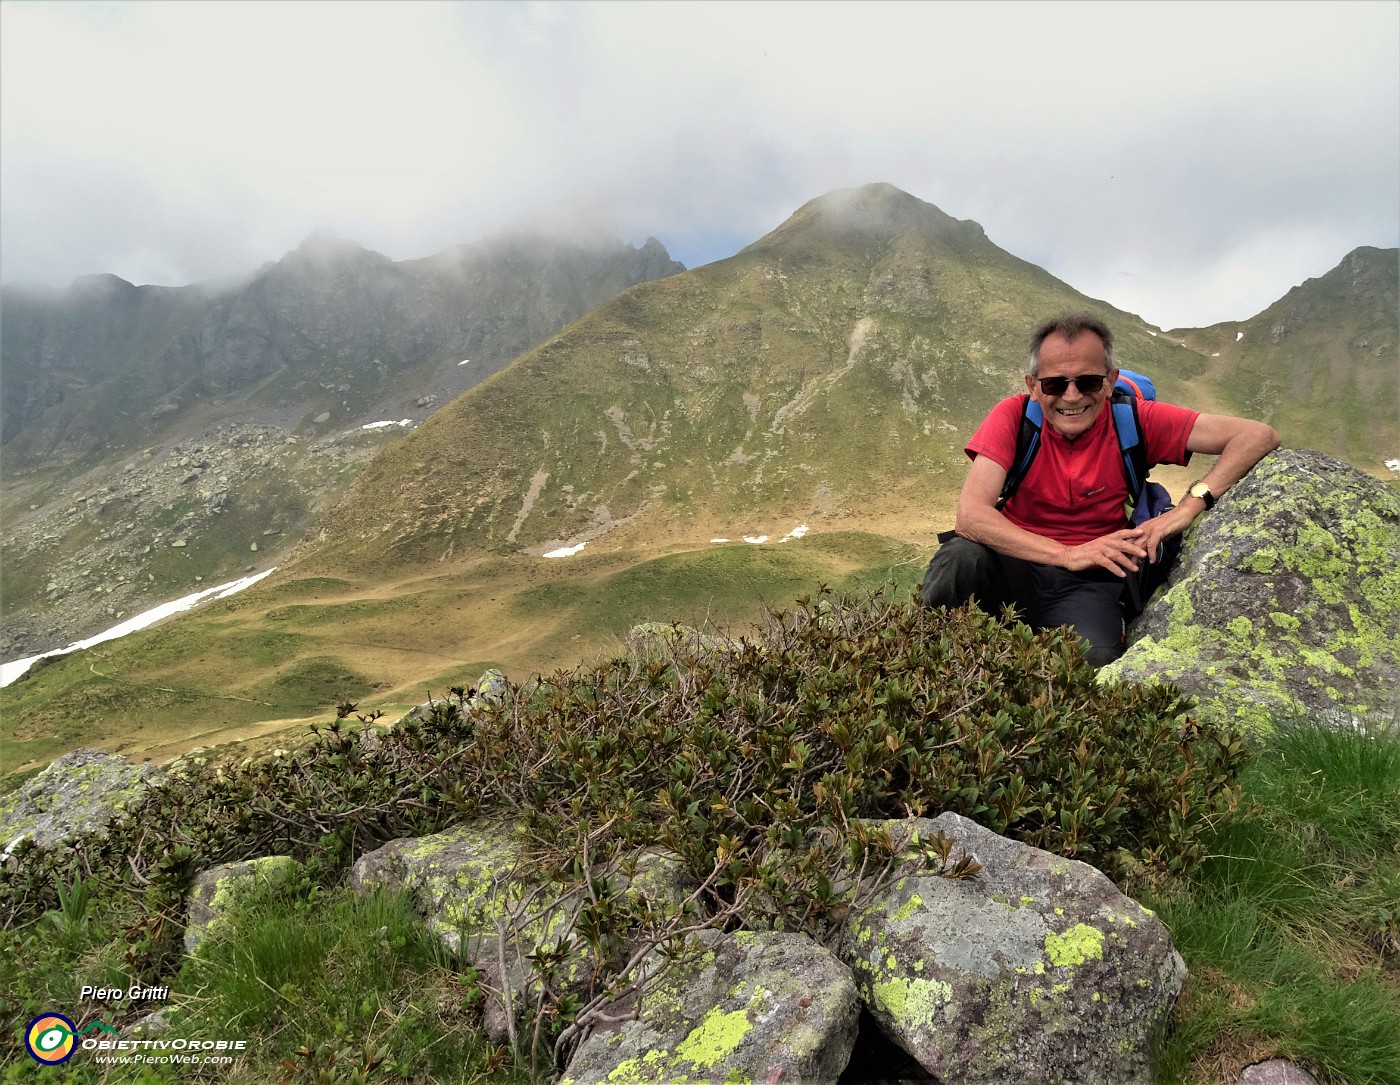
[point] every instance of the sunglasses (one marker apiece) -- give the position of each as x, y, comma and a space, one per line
1087, 383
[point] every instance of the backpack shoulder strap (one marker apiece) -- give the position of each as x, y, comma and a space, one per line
1130, 445
1027, 445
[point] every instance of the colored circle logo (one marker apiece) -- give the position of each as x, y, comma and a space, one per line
50, 1038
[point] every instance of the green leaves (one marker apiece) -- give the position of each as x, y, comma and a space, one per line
760, 763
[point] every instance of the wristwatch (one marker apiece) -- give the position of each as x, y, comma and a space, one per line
1201, 490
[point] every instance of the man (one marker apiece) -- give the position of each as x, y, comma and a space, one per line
1061, 549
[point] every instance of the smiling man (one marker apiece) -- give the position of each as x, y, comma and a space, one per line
1061, 547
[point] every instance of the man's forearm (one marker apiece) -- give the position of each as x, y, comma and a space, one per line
1239, 456
990, 528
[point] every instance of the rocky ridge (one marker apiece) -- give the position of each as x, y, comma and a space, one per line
132, 413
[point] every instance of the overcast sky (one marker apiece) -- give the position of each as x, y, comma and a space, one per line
1186, 161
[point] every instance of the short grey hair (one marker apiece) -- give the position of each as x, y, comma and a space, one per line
1070, 326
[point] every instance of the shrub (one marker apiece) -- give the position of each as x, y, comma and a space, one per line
760, 754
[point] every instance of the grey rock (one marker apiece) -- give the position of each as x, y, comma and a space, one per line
471, 883
152, 1025
1276, 1072
78, 794
218, 893
748, 1007
1285, 601
486, 905
1037, 970
491, 688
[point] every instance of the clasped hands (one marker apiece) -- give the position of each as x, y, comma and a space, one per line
1122, 552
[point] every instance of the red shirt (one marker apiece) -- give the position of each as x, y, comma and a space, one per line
1075, 490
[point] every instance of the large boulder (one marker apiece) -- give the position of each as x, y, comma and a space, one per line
1035, 970
77, 794
492, 908
1285, 601
753, 1006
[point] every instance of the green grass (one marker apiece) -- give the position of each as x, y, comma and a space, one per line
724, 584
323, 987
351, 979
1291, 929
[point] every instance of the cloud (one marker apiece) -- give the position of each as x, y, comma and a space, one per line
1144, 152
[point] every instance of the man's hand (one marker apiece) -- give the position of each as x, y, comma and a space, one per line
1171, 523
1119, 553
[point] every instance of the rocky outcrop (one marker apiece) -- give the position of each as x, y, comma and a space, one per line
754, 1006
1032, 968
76, 795
1036, 969
1285, 600
113, 545
486, 905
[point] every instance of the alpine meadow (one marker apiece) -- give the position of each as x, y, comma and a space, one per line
611, 562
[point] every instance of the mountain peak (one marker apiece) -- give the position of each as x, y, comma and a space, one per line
877, 211
324, 249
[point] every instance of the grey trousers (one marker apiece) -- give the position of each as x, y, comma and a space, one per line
1045, 596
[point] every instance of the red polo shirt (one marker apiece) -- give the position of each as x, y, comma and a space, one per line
1075, 490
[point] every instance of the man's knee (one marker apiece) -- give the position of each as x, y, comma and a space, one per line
1102, 654
961, 570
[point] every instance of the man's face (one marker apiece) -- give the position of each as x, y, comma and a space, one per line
1073, 413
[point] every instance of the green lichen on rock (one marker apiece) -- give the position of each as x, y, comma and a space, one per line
1285, 602
913, 1002
77, 794
219, 893
1075, 946
745, 1008
716, 1037
1033, 971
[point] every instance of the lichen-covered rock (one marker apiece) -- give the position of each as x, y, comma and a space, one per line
1036, 971
218, 892
469, 879
490, 688
487, 906
1285, 600
77, 794
659, 641
752, 1007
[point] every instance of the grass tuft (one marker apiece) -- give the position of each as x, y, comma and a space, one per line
1291, 926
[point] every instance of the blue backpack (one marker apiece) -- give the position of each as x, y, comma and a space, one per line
1146, 499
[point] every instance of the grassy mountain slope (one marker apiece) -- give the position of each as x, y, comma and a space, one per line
832, 370
826, 375
1321, 363
222, 418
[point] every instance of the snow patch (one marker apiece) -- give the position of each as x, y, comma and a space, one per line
1239, 336
465, 361
566, 551
17, 667
1394, 465
382, 425
757, 540
719, 540
795, 533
